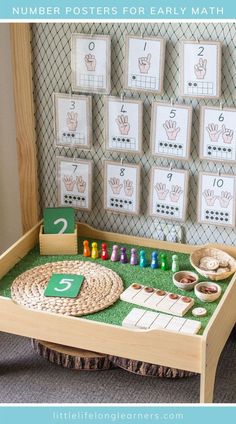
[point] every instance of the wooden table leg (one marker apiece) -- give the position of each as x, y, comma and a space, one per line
207, 382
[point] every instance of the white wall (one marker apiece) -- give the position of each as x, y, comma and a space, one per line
10, 219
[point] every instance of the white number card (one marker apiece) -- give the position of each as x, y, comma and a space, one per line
124, 125
91, 63
200, 73
144, 63
171, 130
216, 199
72, 120
218, 134
121, 187
169, 193
74, 183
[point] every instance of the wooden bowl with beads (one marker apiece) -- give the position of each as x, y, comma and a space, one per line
185, 280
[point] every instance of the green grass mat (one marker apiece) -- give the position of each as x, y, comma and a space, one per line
129, 274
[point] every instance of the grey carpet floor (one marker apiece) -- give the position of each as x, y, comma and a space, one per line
26, 378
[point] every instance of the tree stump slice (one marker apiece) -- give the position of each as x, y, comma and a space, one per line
149, 370
72, 358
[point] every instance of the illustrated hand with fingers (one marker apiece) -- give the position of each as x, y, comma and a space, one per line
81, 184
115, 185
171, 129
123, 124
175, 193
90, 62
128, 188
227, 135
214, 132
144, 63
225, 198
72, 121
69, 182
161, 191
200, 69
210, 197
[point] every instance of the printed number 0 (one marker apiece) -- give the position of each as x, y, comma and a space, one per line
67, 282
64, 222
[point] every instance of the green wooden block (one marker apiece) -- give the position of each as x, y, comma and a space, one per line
59, 220
64, 285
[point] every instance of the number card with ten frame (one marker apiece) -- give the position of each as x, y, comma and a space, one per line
171, 130
124, 126
218, 134
73, 120
144, 63
74, 183
200, 71
121, 187
91, 63
169, 193
216, 199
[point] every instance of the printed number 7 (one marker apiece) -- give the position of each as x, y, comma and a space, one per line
67, 282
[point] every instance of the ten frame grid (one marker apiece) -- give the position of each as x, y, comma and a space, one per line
76, 161
201, 132
185, 194
218, 64
161, 65
88, 100
155, 106
108, 99
76, 87
138, 179
199, 202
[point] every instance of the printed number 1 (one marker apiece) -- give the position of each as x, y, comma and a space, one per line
65, 281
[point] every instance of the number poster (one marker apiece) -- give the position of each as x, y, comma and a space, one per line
218, 134
74, 183
216, 199
200, 73
169, 193
124, 125
91, 63
144, 63
73, 120
171, 130
121, 187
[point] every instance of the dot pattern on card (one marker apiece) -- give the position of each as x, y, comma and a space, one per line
91, 81
200, 88
167, 210
219, 152
217, 217
121, 204
75, 201
170, 148
158, 300
121, 142
143, 81
146, 320
73, 138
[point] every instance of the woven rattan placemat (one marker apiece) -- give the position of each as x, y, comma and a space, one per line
100, 289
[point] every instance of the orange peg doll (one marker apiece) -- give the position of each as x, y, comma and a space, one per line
86, 248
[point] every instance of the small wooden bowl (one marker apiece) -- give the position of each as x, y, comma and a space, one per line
207, 297
183, 274
218, 254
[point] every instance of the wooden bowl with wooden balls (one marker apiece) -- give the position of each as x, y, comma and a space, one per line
207, 291
185, 280
212, 263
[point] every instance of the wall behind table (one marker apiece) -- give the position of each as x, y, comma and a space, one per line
10, 217
51, 62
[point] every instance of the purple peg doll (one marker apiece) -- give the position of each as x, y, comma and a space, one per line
133, 257
123, 256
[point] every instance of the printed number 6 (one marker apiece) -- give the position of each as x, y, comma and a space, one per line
64, 222
67, 282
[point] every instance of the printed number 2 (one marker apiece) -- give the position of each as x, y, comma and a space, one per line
201, 50
65, 281
61, 221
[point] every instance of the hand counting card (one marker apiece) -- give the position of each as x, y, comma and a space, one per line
144, 63
169, 193
200, 72
124, 124
216, 199
121, 187
91, 63
218, 134
171, 130
74, 183
73, 120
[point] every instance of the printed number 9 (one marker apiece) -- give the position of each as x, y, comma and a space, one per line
169, 176
67, 282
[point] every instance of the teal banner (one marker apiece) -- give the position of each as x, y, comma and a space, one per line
109, 9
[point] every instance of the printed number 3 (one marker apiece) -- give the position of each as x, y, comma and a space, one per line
67, 282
